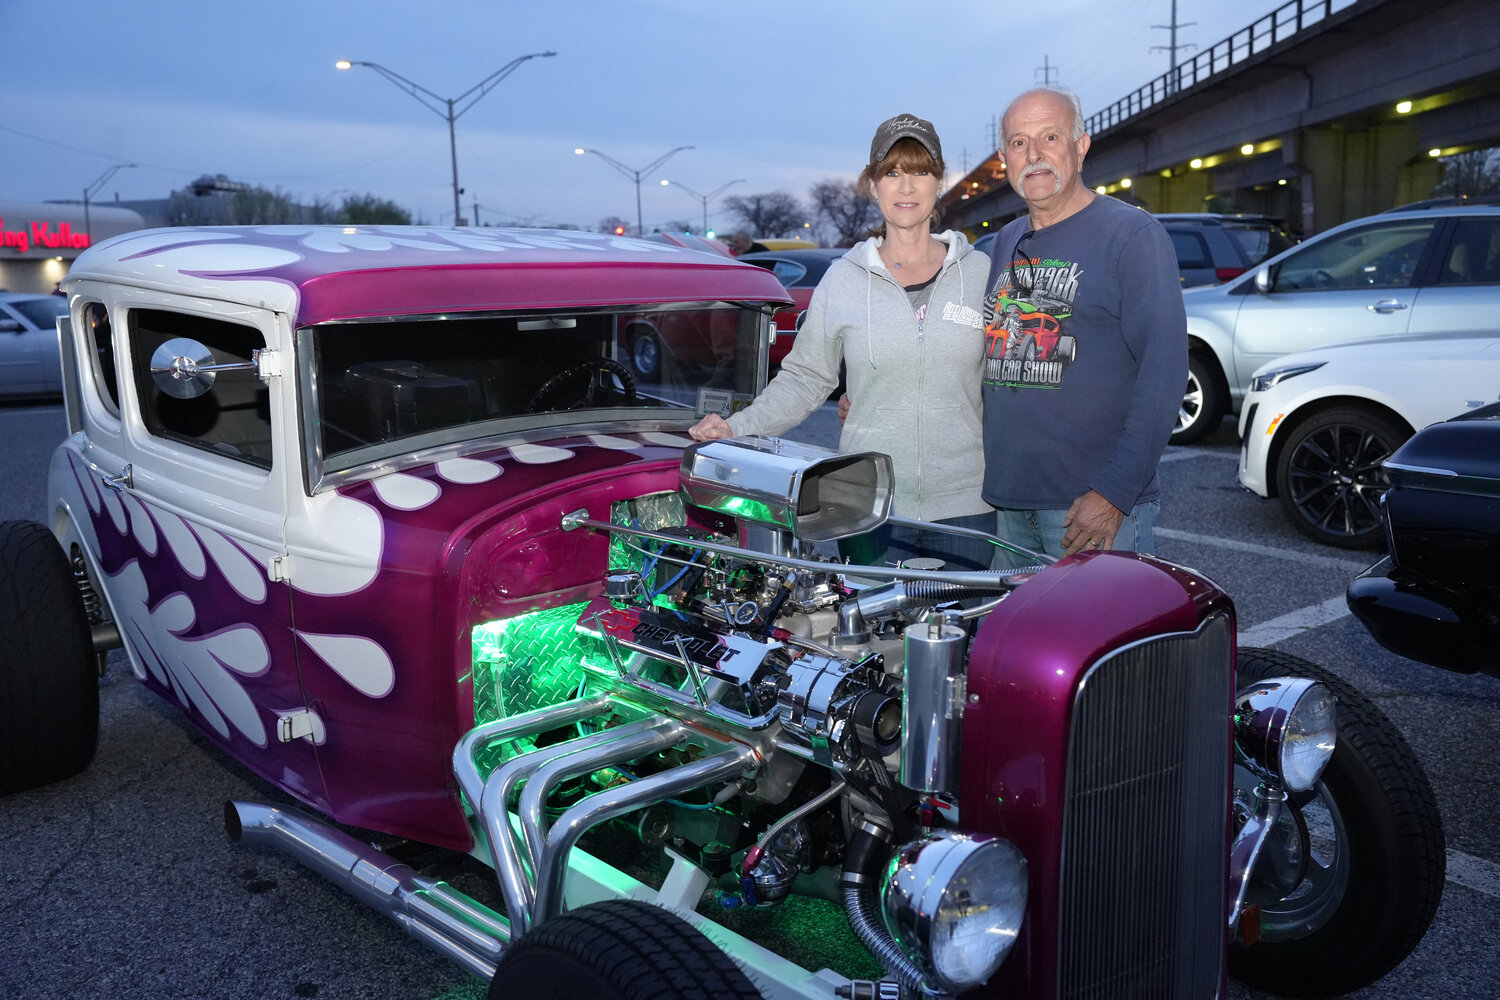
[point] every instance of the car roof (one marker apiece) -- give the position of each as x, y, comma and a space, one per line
804, 254
1215, 218
320, 274
815, 260
1453, 201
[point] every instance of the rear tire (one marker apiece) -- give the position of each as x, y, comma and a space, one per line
1377, 872
49, 680
620, 949
1203, 403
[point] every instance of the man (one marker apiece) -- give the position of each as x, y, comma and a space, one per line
1086, 348
740, 243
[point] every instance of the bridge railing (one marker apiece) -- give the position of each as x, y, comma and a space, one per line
1282, 23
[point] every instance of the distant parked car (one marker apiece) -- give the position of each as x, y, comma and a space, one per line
1215, 248
1317, 425
1436, 597
1417, 273
28, 344
799, 272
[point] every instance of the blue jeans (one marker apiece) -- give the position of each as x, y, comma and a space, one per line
890, 544
1042, 531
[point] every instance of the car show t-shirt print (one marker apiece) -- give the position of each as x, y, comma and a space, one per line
1027, 344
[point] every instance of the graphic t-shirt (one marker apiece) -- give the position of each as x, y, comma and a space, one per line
1085, 358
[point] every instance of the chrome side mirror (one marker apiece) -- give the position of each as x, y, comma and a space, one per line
185, 368
1263, 281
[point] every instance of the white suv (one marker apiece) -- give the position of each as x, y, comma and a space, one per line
1415, 271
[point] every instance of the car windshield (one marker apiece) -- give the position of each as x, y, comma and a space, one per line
384, 389
41, 311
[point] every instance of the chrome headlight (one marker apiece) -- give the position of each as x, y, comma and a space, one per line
954, 903
1288, 726
1263, 380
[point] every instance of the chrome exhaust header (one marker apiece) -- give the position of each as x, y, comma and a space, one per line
466, 931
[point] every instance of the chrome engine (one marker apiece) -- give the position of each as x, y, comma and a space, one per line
782, 722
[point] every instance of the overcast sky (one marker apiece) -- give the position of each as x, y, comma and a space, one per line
781, 93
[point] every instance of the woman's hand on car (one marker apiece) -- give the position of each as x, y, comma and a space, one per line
711, 428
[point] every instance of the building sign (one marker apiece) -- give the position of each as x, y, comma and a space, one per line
40, 235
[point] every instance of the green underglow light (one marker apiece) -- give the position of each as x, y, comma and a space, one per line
526, 662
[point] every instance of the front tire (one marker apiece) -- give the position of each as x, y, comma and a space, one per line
1329, 479
49, 681
620, 949
1203, 404
1376, 863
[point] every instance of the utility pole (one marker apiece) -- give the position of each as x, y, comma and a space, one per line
1047, 69
1171, 47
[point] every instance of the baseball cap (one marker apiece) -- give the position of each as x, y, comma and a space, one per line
904, 127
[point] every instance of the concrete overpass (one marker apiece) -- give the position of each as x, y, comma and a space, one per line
1302, 115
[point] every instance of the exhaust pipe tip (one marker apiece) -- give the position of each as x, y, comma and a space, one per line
232, 824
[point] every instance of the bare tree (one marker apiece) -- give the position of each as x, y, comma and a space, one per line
614, 224
1474, 172
842, 207
775, 213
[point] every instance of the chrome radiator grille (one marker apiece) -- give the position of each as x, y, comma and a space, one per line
1145, 844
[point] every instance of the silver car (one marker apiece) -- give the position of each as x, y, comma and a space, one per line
29, 364
1413, 272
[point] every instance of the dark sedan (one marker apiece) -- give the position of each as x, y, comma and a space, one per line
799, 271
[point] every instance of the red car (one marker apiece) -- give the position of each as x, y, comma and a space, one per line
1024, 335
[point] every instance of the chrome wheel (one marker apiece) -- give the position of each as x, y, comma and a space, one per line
1202, 408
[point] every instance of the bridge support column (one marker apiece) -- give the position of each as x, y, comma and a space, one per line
1347, 175
1182, 192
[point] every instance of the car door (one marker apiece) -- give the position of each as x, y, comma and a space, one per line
1348, 285
208, 617
28, 344
1464, 296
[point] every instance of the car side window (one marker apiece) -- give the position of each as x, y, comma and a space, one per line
788, 273
1384, 255
101, 345
1192, 250
1473, 258
232, 418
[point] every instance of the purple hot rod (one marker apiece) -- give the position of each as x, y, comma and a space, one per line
386, 513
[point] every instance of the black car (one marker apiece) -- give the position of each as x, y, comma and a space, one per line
1214, 248
1436, 597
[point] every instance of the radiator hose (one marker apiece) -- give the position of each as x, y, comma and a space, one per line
869, 846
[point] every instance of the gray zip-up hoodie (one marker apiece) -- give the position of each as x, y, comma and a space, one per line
913, 387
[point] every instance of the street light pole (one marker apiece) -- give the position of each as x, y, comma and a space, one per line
705, 198
444, 106
635, 175
89, 191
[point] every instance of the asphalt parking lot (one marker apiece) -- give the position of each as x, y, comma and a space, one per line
121, 883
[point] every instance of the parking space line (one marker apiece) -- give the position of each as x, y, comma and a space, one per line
1294, 623
1474, 873
1173, 454
1306, 558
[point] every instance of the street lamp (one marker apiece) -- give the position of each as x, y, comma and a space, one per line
444, 106
91, 189
635, 175
705, 198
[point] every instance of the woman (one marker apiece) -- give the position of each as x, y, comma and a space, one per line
902, 311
